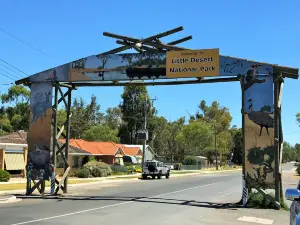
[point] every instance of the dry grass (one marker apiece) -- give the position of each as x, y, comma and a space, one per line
20, 186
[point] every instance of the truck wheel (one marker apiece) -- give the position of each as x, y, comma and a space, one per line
159, 176
153, 176
144, 177
167, 176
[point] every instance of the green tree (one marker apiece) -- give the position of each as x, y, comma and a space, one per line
113, 117
18, 110
16, 94
164, 142
298, 118
83, 116
237, 146
101, 133
133, 108
288, 153
219, 119
194, 138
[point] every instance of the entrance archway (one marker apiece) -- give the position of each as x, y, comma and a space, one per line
157, 63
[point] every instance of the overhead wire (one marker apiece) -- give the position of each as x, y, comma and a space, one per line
14, 67
20, 76
7, 76
20, 40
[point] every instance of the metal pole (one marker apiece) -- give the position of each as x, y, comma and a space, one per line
67, 137
145, 128
276, 137
54, 141
217, 168
244, 183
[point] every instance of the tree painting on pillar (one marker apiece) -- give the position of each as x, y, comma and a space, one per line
38, 164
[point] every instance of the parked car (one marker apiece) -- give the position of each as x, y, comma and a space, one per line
293, 194
154, 169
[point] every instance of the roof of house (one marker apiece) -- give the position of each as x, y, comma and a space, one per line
94, 147
130, 150
18, 137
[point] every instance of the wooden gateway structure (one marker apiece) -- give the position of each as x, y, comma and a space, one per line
159, 63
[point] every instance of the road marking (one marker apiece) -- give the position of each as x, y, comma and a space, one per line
255, 220
109, 206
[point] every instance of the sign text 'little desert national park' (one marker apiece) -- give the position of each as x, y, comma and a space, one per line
192, 63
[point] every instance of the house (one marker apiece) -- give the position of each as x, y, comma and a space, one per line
133, 154
149, 153
13, 152
108, 152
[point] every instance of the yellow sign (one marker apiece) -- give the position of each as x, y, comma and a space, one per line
192, 63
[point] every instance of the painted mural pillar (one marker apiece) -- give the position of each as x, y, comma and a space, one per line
38, 164
2, 157
258, 127
278, 137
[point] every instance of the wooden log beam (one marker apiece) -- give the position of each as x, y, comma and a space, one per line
160, 35
180, 40
151, 38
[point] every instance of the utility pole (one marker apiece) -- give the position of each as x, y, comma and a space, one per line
133, 115
145, 130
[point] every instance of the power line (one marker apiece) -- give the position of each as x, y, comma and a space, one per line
7, 76
36, 49
14, 67
9, 73
11, 70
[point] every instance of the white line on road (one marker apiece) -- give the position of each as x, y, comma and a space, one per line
255, 220
109, 206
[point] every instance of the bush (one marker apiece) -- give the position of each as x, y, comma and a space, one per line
298, 169
116, 169
4, 176
258, 200
83, 173
138, 169
190, 160
177, 166
97, 169
131, 169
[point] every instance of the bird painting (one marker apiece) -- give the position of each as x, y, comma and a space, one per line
264, 120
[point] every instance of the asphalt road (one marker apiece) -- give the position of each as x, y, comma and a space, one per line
180, 200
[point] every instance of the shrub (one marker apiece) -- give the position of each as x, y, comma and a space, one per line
83, 173
298, 169
138, 168
92, 158
190, 160
4, 176
131, 169
119, 169
177, 166
101, 167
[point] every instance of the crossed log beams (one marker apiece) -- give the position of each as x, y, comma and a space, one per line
153, 41
57, 132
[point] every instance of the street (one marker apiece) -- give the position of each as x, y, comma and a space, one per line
180, 200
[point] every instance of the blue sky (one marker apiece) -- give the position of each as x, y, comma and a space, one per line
266, 31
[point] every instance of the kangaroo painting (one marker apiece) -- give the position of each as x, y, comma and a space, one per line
39, 109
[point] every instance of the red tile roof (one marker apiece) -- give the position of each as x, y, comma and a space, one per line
132, 151
96, 148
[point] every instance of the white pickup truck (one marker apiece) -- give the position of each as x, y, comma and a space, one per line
154, 169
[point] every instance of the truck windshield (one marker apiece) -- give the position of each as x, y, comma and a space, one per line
150, 163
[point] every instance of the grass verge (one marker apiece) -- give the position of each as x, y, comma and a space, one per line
20, 186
